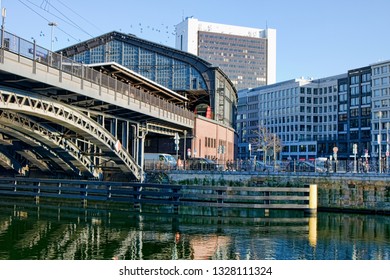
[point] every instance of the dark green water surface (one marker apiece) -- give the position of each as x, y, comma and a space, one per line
44, 231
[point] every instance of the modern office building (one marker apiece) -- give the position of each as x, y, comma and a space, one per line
246, 55
354, 113
208, 90
380, 109
302, 113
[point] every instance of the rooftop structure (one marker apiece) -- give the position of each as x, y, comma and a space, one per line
247, 55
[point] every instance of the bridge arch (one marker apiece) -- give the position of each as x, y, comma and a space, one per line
8, 162
71, 118
37, 151
50, 137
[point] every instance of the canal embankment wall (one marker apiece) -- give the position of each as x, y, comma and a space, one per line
369, 193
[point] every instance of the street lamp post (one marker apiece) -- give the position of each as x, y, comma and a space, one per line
52, 24
3, 15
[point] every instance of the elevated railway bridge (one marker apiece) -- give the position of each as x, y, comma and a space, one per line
63, 118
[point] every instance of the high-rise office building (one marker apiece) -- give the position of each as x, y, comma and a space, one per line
246, 55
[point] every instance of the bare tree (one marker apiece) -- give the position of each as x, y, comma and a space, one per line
264, 140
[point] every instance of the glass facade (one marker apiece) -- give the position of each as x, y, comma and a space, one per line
166, 71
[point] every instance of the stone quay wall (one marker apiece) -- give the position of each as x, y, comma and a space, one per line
369, 193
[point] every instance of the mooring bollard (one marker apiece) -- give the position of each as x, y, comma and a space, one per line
312, 210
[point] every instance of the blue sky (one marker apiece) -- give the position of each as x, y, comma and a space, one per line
315, 39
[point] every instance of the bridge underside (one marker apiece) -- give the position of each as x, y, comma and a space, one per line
60, 134
42, 136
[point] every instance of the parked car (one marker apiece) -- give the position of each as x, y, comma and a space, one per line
202, 164
250, 165
261, 166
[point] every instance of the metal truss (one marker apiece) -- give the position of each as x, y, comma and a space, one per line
50, 137
8, 162
73, 119
162, 129
39, 150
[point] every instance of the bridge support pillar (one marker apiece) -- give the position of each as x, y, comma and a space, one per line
141, 144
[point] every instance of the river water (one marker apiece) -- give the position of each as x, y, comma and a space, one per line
46, 231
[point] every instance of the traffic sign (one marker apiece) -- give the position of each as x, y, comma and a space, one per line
177, 138
355, 149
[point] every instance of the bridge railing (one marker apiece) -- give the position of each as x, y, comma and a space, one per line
24, 48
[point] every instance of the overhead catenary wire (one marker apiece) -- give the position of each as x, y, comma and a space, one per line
68, 20
86, 20
60, 11
48, 21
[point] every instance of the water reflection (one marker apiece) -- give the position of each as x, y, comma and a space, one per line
50, 231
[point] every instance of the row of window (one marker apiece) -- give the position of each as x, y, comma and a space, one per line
384, 69
366, 77
210, 142
318, 100
319, 91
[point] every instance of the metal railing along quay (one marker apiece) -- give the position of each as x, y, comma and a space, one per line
259, 196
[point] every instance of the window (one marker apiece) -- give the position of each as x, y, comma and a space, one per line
293, 149
366, 100
354, 123
354, 112
343, 88
354, 101
312, 148
366, 111
366, 88
342, 97
366, 77
342, 107
343, 117
355, 80
355, 90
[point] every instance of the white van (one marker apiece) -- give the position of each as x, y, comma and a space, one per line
156, 161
